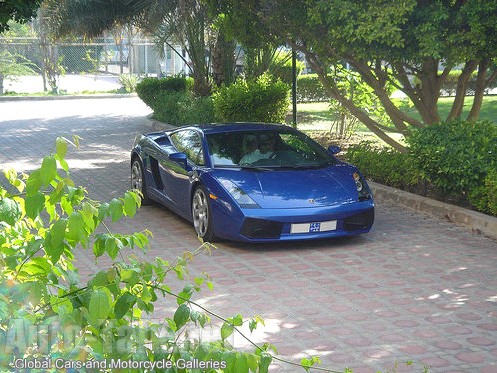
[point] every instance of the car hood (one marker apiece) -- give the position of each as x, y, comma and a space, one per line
301, 188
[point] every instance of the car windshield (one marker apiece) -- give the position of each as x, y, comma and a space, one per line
266, 149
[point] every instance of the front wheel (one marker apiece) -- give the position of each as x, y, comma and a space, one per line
138, 180
202, 220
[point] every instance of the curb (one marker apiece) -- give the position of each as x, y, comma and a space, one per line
67, 97
474, 221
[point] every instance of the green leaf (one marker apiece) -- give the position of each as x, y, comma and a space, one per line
10, 211
54, 240
75, 228
99, 245
34, 182
266, 360
182, 315
251, 362
61, 147
100, 306
226, 330
129, 276
89, 212
146, 296
116, 209
113, 245
35, 204
124, 304
241, 363
237, 320
129, 204
48, 170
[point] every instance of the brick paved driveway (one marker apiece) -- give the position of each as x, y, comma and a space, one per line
415, 288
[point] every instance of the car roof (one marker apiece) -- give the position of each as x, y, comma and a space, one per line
236, 126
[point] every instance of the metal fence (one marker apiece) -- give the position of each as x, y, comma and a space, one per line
100, 57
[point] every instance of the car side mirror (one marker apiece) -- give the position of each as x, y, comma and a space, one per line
179, 157
334, 149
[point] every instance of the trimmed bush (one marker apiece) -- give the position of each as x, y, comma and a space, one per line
180, 108
310, 89
385, 165
151, 89
259, 100
456, 157
491, 192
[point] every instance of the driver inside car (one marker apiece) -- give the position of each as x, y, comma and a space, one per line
264, 150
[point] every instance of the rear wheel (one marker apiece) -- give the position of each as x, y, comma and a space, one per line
138, 180
201, 212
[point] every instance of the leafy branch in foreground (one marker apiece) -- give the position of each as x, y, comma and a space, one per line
50, 319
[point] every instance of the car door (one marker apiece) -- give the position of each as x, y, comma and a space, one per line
177, 178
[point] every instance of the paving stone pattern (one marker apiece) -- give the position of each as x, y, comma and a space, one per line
414, 288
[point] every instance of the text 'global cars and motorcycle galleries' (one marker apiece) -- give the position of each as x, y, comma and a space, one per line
252, 182
59, 363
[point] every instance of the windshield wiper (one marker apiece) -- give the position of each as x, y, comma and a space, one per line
256, 168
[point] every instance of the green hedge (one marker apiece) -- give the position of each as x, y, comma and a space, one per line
455, 161
457, 157
386, 166
152, 90
259, 100
310, 89
180, 108
171, 99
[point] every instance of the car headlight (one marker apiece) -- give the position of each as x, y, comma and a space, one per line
361, 187
242, 198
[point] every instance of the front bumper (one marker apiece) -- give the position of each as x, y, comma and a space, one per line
270, 225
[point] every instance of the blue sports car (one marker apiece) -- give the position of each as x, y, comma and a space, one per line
252, 182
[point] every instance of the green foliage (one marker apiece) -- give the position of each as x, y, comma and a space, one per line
384, 42
150, 90
456, 157
310, 89
20, 10
490, 192
13, 65
128, 82
282, 67
48, 312
183, 107
259, 100
384, 165
454, 161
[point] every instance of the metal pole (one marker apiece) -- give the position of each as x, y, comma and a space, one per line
294, 87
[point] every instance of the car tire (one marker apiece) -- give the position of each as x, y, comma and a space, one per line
138, 180
201, 213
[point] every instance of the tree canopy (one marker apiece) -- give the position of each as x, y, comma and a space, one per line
18, 10
410, 44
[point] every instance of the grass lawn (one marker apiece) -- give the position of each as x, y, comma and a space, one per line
316, 117
488, 109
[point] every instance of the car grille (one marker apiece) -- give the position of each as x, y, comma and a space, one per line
362, 220
258, 228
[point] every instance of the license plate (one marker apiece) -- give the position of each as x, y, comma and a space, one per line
316, 227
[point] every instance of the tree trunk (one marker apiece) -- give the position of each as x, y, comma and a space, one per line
479, 90
371, 124
223, 60
1, 84
428, 92
462, 86
398, 117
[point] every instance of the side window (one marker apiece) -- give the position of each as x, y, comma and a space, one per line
190, 143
